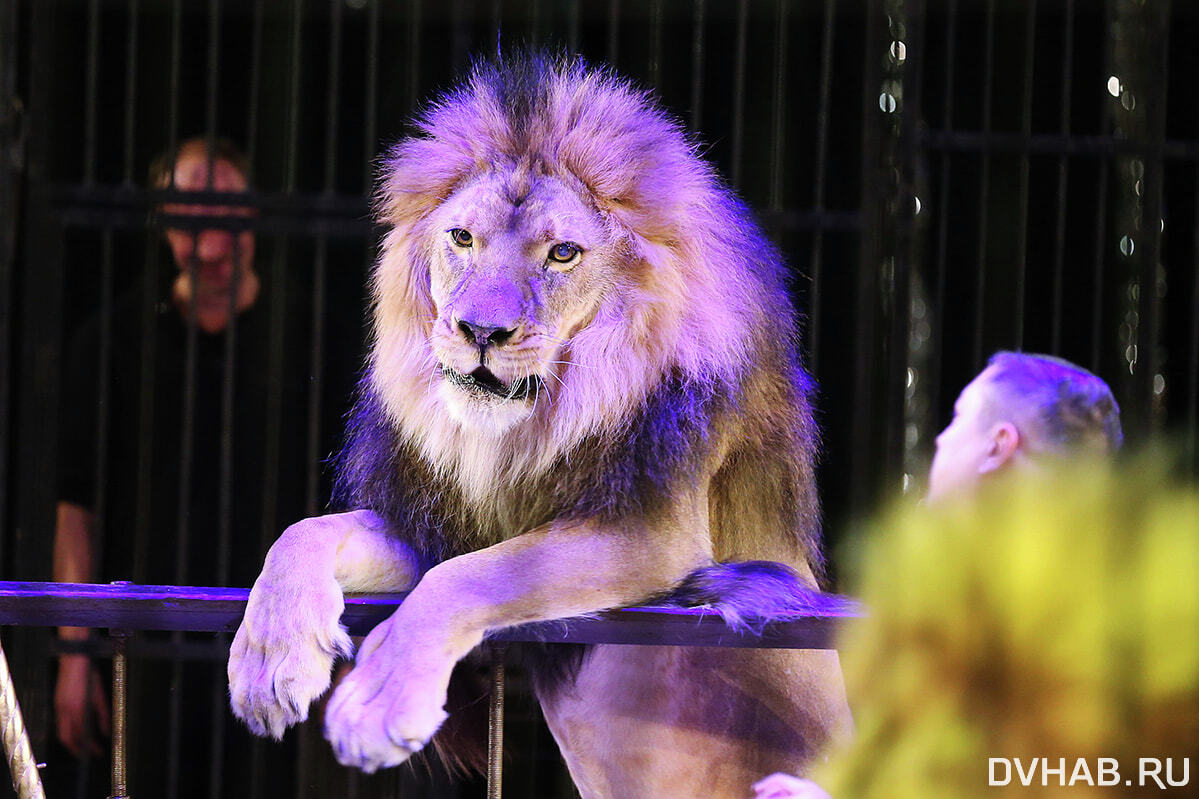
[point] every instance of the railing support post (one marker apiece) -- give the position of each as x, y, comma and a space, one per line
495, 724
120, 639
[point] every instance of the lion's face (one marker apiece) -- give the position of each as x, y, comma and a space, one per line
520, 263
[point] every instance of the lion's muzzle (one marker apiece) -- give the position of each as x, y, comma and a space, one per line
481, 381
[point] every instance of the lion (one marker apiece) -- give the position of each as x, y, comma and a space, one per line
583, 391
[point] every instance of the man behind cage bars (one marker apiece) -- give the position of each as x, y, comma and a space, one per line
181, 453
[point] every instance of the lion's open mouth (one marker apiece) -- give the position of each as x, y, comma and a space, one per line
482, 381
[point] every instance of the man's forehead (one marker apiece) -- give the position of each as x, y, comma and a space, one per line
978, 390
192, 173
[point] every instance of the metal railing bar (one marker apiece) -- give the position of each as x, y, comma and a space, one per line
214, 609
340, 222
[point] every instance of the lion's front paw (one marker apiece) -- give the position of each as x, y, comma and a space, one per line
282, 656
390, 705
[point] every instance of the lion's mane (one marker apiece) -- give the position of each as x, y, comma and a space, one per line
690, 360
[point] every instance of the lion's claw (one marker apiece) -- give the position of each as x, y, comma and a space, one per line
282, 657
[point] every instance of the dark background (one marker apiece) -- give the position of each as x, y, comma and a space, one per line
946, 178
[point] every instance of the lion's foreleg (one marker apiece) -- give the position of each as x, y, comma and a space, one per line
391, 704
282, 656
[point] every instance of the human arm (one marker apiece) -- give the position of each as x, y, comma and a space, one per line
78, 683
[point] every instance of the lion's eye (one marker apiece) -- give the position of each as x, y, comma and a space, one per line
564, 252
461, 237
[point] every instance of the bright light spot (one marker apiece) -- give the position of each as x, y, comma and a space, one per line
1113, 86
907, 483
899, 51
1128, 100
886, 101
1127, 245
911, 377
1159, 384
918, 205
1162, 225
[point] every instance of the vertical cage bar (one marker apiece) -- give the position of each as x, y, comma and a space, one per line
613, 30
120, 664
820, 169
863, 452
1021, 265
572, 25
495, 724
255, 88
984, 191
655, 47
414, 15
130, 91
100, 465
370, 120
1063, 170
742, 34
183, 525
91, 104
10, 198
697, 66
938, 326
775, 202
1100, 256
174, 93
145, 403
1192, 422
212, 79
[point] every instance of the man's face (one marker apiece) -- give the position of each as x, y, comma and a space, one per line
964, 447
216, 253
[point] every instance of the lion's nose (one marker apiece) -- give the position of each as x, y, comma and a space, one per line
483, 336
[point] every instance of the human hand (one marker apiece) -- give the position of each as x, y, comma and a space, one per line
784, 786
78, 686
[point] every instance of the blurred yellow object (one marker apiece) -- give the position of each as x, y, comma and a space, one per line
1052, 618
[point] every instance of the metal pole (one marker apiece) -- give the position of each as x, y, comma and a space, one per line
21, 765
495, 724
120, 640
